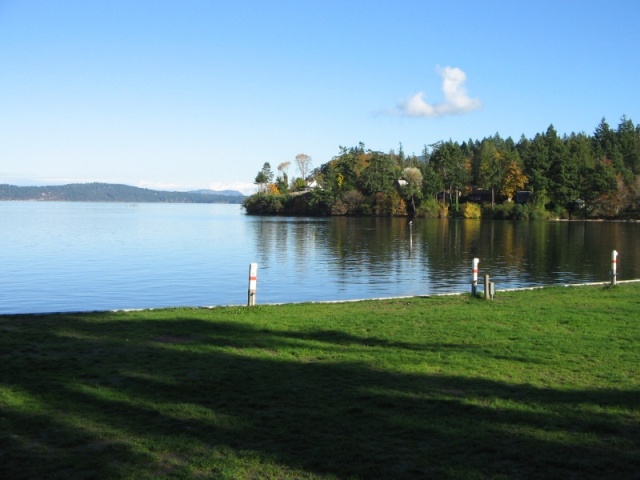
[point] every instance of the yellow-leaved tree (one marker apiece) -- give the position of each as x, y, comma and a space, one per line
513, 180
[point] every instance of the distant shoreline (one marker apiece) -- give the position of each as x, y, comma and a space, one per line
117, 193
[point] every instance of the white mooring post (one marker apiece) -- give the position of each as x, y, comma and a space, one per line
614, 265
253, 280
474, 277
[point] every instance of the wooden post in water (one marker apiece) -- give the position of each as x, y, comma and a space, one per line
253, 280
474, 276
614, 269
487, 288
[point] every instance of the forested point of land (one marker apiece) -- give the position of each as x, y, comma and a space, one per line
106, 192
547, 176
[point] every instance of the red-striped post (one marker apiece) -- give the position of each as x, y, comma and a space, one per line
253, 281
614, 265
474, 278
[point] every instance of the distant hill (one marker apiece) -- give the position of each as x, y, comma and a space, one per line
231, 193
108, 192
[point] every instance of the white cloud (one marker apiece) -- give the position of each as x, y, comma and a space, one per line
455, 101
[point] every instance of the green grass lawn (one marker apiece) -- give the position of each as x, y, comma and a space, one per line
534, 384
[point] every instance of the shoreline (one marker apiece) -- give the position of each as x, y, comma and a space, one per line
314, 302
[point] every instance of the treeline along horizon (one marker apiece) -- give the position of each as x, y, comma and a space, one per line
569, 176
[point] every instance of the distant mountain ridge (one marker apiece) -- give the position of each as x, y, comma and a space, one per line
231, 193
109, 192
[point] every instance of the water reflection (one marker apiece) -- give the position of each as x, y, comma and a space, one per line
389, 257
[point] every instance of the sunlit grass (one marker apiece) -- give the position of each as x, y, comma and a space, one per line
536, 384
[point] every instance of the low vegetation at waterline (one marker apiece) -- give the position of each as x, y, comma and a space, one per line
534, 384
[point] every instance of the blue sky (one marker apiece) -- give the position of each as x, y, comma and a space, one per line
185, 94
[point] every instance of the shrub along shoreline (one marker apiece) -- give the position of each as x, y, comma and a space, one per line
537, 383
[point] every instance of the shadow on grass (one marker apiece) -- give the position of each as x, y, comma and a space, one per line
86, 396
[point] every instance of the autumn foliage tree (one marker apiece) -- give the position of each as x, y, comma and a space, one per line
512, 181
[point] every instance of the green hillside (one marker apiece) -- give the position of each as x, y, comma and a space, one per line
106, 192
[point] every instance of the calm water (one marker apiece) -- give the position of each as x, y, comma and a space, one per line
92, 256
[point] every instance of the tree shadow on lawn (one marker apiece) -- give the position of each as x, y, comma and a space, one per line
179, 397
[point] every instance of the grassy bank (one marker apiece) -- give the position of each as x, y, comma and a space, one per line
535, 384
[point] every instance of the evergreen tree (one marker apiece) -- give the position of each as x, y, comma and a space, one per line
563, 175
628, 142
453, 167
491, 168
431, 182
380, 175
606, 146
536, 167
